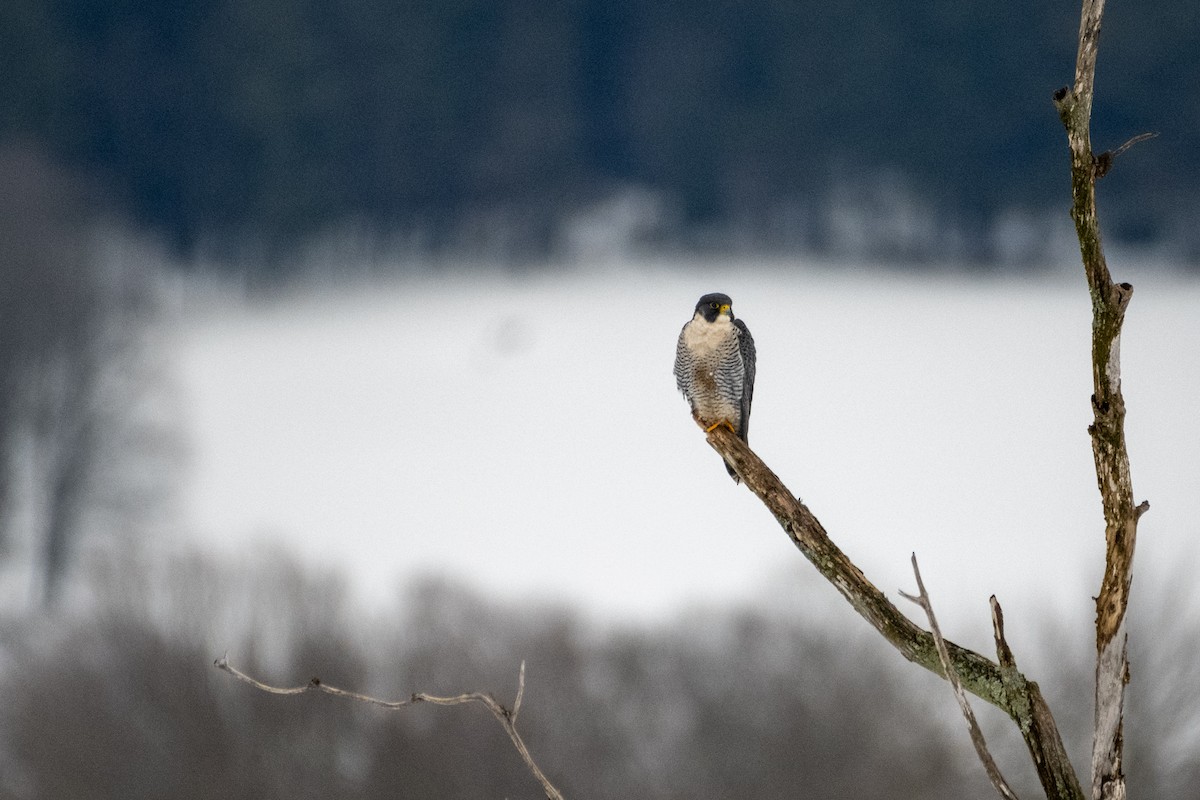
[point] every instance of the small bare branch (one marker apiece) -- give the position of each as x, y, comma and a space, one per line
506, 718
1004, 653
1141, 137
1047, 751
516, 709
981, 748
1104, 161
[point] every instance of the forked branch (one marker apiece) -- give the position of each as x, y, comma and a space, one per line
982, 677
505, 716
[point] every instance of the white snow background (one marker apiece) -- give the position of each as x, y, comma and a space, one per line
524, 433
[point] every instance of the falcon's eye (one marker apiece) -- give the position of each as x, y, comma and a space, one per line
713, 305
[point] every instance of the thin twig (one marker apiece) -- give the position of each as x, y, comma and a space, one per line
1141, 137
1104, 161
1046, 751
981, 748
1003, 652
516, 709
506, 718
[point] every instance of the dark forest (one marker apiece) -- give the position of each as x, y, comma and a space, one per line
234, 127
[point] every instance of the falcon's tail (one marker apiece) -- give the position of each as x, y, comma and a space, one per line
732, 472
741, 434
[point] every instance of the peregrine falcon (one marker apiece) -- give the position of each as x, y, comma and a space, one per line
714, 367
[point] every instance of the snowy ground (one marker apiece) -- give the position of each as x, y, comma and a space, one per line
525, 434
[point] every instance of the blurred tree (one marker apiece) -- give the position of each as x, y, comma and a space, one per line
72, 369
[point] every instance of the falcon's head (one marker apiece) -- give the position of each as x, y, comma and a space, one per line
712, 306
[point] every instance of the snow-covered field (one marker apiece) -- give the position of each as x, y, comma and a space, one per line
524, 433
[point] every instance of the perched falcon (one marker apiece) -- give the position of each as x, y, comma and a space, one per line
714, 367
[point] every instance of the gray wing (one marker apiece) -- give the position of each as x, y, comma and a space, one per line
683, 367
746, 348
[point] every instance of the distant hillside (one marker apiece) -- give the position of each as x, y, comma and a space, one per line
899, 130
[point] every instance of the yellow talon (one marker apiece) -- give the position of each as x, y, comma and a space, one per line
716, 425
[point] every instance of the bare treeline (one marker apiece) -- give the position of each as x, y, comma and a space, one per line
122, 702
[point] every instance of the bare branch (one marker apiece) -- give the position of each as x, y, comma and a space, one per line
979, 675
1109, 302
1004, 653
981, 748
506, 718
516, 709
1141, 137
1104, 161
1046, 751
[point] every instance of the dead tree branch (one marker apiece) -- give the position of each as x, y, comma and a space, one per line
981, 748
505, 716
1018, 697
1104, 161
1121, 515
1044, 750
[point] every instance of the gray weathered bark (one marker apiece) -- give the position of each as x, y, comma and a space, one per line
1109, 302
